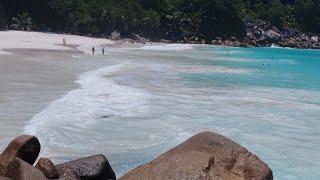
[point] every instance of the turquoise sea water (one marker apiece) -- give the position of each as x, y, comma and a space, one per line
134, 104
273, 67
288, 81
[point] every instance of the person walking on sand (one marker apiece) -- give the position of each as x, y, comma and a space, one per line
103, 50
92, 50
64, 41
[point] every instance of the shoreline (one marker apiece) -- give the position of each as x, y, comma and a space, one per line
40, 52
23, 42
26, 76
48, 41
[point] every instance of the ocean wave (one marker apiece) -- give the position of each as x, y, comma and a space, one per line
4, 52
168, 47
212, 69
97, 100
274, 46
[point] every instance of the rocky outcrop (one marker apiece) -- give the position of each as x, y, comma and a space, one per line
20, 170
204, 156
47, 168
67, 172
16, 163
193, 40
272, 36
4, 178
139, 39
166, 41
94, 167
115, 35
24, 147
262, 34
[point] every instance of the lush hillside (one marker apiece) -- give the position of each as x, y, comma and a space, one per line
171, 19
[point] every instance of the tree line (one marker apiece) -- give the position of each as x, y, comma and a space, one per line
155, 19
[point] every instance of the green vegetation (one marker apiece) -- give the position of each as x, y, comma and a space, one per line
2, 17
171, 19
22, 22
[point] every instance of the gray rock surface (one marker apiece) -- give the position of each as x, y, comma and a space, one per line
315, 39
272, 36
275, 29
67, 173
115, 35
166, 41
139, 39
264, 34
90, 168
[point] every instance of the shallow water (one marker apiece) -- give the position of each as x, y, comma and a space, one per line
134, 104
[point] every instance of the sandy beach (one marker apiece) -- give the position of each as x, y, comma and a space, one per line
30, 79
48, 41
35, 69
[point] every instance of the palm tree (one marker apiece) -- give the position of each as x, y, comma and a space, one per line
22, 22
2, 16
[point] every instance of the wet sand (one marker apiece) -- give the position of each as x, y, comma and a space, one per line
30, 79
42, 52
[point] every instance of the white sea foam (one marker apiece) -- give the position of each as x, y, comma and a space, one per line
287, 61
76, 56
211, 69
231, 59
4, 53
274, 46
168, 47
84, 107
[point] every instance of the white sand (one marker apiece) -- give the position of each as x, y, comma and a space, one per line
50, 41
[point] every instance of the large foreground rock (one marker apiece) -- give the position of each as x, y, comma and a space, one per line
47, 168
20, 170
24, 147
90, 168
67, 173
4, 178
205, 156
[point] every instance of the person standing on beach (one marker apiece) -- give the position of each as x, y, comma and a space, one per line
64, 41
103, 50
92, 50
